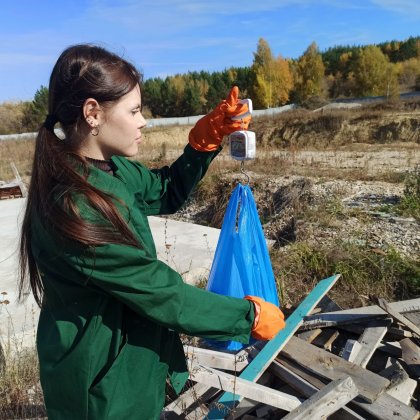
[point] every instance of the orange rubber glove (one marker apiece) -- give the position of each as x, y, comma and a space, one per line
208, 132
269, 319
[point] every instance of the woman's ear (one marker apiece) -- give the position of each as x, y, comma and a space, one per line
92, 112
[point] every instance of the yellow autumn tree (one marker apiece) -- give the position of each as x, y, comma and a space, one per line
409, 72
374, 74
272, 79
177, 84
309, 74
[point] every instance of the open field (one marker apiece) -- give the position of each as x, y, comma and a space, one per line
328, 203
338, 192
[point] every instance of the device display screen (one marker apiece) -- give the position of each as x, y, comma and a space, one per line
238, 147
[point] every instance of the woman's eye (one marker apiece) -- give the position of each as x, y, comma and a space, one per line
134, 111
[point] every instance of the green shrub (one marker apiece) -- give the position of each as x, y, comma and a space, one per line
410, 203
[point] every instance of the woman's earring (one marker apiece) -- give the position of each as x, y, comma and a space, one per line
95, 130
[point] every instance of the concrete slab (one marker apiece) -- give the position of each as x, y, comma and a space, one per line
186, 247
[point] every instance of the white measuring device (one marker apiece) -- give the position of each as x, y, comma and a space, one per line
242, 143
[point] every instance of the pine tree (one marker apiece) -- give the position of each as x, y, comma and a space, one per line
191, 101
36, 111
151, 91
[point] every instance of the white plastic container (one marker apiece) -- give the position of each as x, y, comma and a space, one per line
242, 145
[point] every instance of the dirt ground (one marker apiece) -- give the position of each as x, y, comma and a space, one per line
370, 158
362, 181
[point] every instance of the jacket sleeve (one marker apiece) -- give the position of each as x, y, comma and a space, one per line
165, 190
155, 291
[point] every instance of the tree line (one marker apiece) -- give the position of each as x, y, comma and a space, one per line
385, 69
342, 71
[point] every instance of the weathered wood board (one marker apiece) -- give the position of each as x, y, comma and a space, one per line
263, 359
330, 366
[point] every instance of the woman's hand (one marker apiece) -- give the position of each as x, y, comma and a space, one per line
208, 132
268, 321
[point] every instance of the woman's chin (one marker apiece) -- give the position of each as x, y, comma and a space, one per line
133, 150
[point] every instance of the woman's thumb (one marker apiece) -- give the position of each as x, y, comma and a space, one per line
233, 96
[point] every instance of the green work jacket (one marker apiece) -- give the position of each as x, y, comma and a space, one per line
108, 329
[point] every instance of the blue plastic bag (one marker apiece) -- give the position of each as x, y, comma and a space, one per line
241, 264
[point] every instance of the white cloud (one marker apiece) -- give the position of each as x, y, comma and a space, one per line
409, 8
185, 43
165, 17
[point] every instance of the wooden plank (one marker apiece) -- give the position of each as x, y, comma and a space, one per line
216, 359
395, 373
369, 341
326, 305
339, 318
398, 333
360, 328
190, 397
10, 191
326, 339
326, 401
310, 335
199, 391
19, 181
265, 411
306, 389
243, 387
333, 367
263, 359
314, 379
351, 349
399, 317
414, 317
393, 348
247, 404
385, 407
199, 413
411, 356
356, 315
294, 380
403, 391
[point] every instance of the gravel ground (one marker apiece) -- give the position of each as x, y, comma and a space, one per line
303, 208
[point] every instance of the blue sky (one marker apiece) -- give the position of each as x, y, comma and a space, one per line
163, 37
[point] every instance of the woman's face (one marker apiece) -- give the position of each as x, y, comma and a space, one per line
119, 129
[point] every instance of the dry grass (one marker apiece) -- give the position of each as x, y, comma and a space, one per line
366, 273
298, 266
285, 142
334, 128
20, 390
21, 153
11, 117
294, 218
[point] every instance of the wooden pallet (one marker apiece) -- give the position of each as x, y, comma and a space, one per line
13, 189
343, 364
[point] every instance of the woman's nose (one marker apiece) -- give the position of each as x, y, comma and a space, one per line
142, 121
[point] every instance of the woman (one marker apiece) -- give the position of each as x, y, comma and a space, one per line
110, 311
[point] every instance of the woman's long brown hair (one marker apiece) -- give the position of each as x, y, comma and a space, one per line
59, 173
